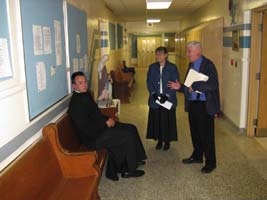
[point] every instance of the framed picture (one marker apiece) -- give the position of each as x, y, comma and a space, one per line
235, 40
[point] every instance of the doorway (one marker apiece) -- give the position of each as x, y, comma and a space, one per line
257, 107
146, 50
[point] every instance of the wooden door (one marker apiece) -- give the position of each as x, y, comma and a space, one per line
141, 50
146, 50
261, 129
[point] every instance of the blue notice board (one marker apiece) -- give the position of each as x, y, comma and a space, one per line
4, 37
44, 49
77, 38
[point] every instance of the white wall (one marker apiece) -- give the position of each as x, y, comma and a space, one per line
13, 98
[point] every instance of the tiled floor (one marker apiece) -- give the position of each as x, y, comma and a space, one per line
241, 172
262, 141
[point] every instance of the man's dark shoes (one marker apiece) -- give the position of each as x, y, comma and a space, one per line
166, 146
159, 145
141, 162
113, 177
136, 173
207, 169
192, 160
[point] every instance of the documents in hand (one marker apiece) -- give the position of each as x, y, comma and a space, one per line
194, 76
166, 105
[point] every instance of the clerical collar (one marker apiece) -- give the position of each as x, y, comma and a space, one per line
76, 91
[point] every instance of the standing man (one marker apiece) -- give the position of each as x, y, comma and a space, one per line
202, 107
126, 151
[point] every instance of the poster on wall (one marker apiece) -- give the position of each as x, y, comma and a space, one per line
75, 64
6, 71
104, 37
41, 76
37, 40
235, 40
47, 40
78, 43
58, 42
5, 66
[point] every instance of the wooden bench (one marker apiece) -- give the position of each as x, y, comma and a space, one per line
120, 87
57, 167
69, 141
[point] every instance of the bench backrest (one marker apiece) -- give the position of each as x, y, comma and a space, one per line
67, 134
116, 76
67, 137
34, 175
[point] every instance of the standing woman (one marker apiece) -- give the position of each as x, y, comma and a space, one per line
161, 121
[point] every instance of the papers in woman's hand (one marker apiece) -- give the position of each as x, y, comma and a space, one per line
194, 76
166, 105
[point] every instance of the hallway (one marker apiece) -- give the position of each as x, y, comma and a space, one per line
241, 172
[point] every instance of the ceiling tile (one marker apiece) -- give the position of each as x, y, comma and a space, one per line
135, 10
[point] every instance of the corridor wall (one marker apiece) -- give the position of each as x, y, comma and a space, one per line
235, 62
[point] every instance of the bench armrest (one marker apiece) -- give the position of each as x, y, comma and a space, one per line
81, 164
78, 165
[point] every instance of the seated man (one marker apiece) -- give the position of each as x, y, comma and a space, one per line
96, 131
126, 69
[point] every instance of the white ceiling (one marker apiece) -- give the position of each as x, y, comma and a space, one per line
135, 10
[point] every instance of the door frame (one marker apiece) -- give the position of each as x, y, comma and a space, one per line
255, 61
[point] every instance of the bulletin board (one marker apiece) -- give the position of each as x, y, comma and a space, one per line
119, 36
5, 53
44, 49
112, 36
77, 39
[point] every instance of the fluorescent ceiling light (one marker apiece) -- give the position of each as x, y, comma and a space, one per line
153, 20
158, 4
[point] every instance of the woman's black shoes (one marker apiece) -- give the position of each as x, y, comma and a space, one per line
166, 146
159, 145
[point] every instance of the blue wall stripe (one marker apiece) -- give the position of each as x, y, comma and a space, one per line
245, 41
237, 27
104, 43
227, 41
18, 141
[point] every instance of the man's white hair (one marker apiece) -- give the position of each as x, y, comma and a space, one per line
194, 44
